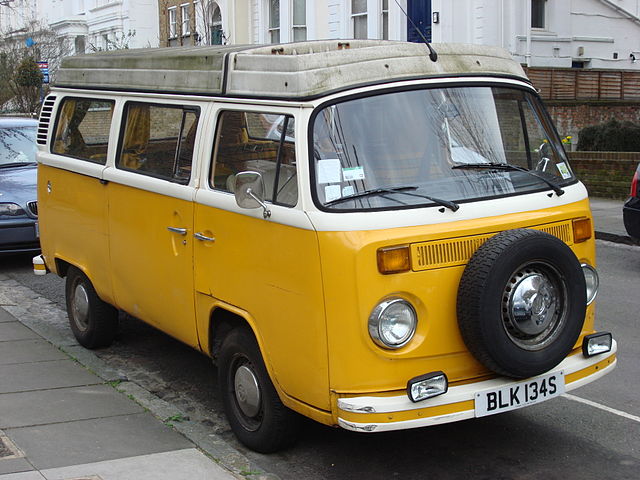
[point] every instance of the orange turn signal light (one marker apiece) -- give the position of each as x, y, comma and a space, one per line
581, 230
394, 259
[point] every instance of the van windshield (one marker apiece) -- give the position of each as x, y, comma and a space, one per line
434, 146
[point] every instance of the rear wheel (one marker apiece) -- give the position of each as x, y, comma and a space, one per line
256, 415
93, 322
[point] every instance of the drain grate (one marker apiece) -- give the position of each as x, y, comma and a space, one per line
4, 450
8, 449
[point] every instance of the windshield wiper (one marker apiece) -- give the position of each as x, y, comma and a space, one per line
508, 167
17, 164
403, 190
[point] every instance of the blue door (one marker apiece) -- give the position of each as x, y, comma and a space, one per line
420, 12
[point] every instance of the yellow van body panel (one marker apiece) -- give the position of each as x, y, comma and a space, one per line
73, 224
152, 267
272, 272
353, 287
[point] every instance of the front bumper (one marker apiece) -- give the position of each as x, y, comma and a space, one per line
19, 236
386, 413
631, 217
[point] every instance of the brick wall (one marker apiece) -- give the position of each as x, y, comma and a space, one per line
605, 174
571, 117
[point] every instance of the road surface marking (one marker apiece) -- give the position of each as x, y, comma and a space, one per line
603, 407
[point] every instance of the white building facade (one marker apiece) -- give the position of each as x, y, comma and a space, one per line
598, 34
87, 25
592, 34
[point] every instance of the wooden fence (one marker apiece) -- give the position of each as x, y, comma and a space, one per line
569, 84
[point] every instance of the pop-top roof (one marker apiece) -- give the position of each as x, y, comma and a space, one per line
287, 71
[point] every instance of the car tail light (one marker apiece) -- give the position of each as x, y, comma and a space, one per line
634, 185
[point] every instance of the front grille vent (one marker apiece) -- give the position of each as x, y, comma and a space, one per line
45, 119
453, 252
33, 208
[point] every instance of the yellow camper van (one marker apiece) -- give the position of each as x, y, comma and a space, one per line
353, 231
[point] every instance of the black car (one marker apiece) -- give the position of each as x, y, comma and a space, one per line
631, 209
18, 182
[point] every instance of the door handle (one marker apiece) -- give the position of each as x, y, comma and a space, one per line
203, 238
180, 231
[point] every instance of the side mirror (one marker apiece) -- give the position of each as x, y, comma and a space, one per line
249, 191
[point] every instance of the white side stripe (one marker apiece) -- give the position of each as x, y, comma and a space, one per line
602, 407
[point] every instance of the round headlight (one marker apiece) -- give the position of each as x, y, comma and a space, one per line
591, 280
392, 323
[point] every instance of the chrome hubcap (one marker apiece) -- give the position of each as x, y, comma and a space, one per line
247, 391
80, 307
534, 306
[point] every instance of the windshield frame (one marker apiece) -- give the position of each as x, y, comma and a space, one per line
537, 107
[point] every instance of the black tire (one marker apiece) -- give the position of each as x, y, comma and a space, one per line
256, 415
93, 322
521, 303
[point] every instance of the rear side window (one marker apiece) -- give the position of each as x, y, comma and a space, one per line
258, 142
83, 128
158, 140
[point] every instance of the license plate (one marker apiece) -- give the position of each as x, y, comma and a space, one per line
517, 395
37, 230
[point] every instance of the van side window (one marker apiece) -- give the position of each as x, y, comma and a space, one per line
258, 142
158, 140
83, 128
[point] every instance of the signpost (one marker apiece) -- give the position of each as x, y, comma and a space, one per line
44, 69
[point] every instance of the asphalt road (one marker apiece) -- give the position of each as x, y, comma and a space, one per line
564, 438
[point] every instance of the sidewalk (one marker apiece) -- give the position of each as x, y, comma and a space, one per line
59, 421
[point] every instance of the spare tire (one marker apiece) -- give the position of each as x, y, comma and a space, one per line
521, 302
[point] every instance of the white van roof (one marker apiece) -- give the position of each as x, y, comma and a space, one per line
286, 71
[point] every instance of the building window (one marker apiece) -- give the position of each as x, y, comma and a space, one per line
274, 21
185, 25
359, 18
299, 20
385, 19
216, 27
173, 32
538, 13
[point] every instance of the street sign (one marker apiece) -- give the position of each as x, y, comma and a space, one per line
44, 69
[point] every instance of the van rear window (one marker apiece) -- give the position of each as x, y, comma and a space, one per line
82, 130
158, 140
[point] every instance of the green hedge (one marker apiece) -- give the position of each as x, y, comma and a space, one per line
612, 136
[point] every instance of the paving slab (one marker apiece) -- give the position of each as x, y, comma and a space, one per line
43, 375
182, 464
14, 465
6, 316
63, 405
89, 441
15, 331
26, 351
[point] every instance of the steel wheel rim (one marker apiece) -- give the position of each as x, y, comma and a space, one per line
534, 306
246, 394
80, 307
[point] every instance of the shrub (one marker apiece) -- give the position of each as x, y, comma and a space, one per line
612, 136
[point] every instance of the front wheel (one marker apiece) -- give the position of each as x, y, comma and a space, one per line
93, 322
256, 415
